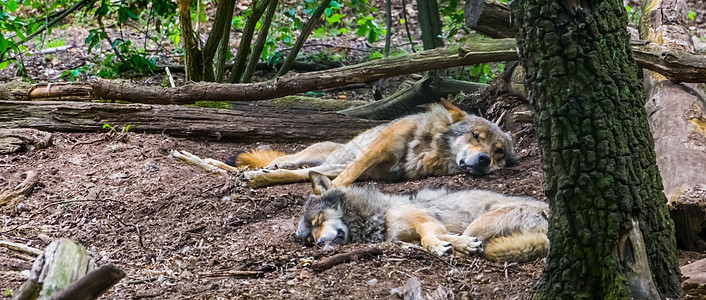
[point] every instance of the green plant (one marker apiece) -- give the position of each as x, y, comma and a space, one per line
78, 72
117, 133
483, 73
7, 292
634, 15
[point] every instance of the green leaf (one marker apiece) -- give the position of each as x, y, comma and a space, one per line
402, 21
327, 12
335, 4
373, 36
3, 65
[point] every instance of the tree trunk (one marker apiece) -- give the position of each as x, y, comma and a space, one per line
678, 122
192, 55
260, 42
258, 8
429, 23
405, 101
610, 231
180, 121
217, 38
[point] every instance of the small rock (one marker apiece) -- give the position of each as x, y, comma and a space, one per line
225, 199
373, 281
22, 207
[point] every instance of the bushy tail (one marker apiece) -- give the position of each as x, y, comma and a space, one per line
517, 247
256, 159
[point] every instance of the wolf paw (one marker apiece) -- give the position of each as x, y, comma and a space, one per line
441, 249
468, 245
254, 179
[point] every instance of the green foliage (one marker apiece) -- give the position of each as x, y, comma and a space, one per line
78, 72
634, 15
7, 293
483, 73
453, 18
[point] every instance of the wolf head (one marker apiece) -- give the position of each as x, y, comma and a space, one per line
321, 221
479, 146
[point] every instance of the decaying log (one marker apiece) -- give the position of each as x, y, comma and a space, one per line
17, 139
694, 282
17, 194
180, 121
478, 49
341, 258
62, 91
405, 101
92, 285
676, 113
489, 17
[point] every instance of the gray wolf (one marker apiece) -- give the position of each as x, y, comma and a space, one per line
503, 228
442, 141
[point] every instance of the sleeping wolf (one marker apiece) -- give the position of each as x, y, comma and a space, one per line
442, 141
504, 228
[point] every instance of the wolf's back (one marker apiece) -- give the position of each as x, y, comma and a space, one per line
517, 247
257, 158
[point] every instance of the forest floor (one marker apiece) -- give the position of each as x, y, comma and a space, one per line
183, 233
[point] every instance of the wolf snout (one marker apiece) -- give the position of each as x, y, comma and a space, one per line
477, 165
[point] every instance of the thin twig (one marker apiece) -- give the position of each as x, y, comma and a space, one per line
21, 248
406, 25
139, 235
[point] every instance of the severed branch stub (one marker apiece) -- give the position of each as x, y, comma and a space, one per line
341, 258
23, 189
93, 284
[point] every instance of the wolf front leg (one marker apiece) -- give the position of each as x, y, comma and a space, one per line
382, 149
264, 177
409, 223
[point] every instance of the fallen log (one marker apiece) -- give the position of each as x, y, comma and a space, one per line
489, 17
180, 121
62, 91
405, 101
477, 50
677, 118
694, 282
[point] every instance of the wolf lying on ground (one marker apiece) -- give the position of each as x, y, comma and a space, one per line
504, 228
442, 141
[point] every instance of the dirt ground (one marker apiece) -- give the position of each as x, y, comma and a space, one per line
180, 233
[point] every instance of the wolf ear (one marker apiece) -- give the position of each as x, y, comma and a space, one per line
457, 114
319, 182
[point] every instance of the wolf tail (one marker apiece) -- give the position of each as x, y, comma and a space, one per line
256, 159
517, 247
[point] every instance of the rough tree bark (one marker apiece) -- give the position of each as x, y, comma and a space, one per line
610, 230
192, 55
180, 121
239, 64
678, 122
429, 23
